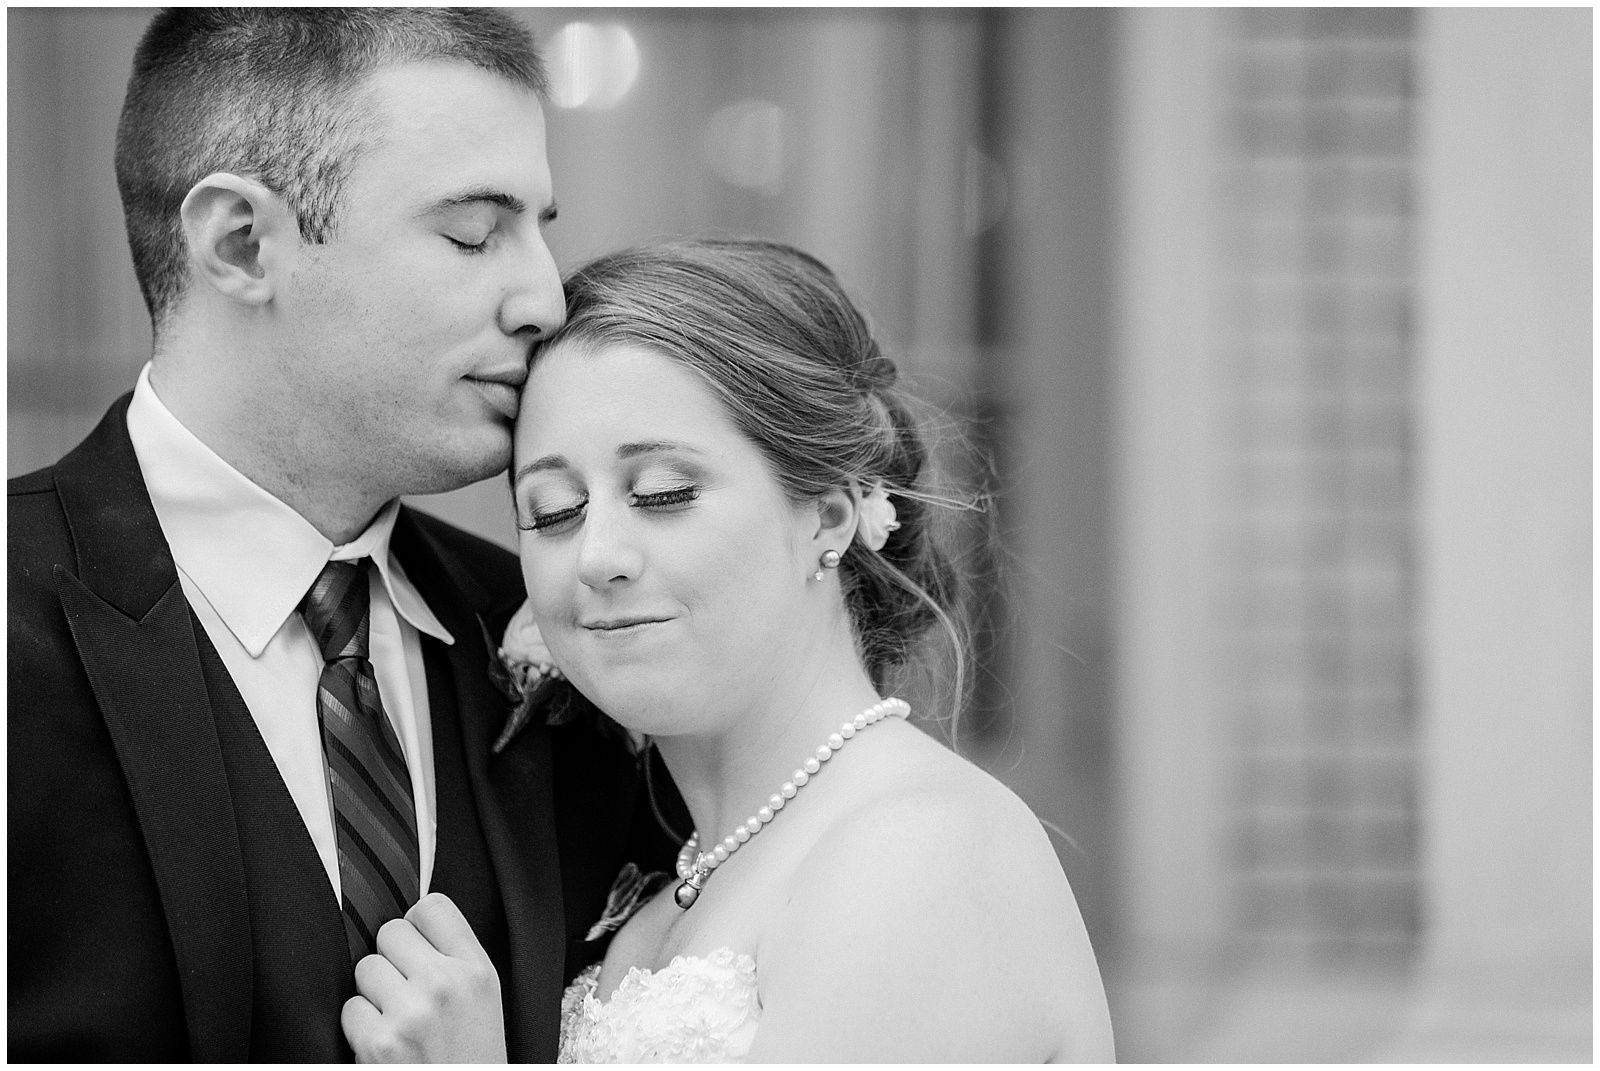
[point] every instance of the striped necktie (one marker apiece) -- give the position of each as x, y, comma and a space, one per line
374, 813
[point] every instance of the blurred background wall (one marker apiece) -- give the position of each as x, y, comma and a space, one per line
1271, 332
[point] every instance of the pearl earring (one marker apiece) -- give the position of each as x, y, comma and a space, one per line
829, 560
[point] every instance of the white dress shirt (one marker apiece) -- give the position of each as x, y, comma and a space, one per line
245, 560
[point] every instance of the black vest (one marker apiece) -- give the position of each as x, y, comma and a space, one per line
301, 970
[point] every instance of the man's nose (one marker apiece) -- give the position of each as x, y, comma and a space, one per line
534, 303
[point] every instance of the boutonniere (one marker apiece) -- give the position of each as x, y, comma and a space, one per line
528, 677
522, 669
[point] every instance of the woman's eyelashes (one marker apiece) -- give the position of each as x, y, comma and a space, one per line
677, 496
543, 521
667, 501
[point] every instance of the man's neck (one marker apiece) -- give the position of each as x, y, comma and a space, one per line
337, 507
339, 514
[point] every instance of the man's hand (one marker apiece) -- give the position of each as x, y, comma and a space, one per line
429, 995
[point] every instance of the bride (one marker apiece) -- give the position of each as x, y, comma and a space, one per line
727, 549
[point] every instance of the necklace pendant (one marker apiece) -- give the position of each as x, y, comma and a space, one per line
687, 893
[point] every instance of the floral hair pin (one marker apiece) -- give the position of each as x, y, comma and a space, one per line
877, 517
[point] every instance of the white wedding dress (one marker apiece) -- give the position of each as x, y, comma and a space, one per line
695, 1010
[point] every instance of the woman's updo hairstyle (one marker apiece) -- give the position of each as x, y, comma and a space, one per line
774, 335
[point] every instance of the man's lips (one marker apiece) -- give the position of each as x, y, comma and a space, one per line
503, 395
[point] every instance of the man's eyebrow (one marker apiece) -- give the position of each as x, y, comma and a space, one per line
485, 195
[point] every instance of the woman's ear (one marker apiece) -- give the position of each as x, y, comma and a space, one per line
838, 513
240, 236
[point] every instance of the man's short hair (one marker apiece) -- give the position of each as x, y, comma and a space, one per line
274, 94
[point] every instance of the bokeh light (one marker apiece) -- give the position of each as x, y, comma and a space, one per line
592, 66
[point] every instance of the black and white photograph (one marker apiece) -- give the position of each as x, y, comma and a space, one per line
805, 535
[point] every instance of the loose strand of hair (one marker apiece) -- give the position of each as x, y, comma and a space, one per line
951, 630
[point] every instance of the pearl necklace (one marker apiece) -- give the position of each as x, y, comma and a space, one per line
694, 868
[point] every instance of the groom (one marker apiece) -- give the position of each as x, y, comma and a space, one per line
250, 713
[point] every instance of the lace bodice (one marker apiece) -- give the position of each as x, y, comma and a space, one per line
696, 1009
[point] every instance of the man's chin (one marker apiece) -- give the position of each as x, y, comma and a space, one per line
448, 472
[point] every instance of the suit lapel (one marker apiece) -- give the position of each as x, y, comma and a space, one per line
512, 791
131, 625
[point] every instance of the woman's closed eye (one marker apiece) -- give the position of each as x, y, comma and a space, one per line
554, 520
677, 496
544, 520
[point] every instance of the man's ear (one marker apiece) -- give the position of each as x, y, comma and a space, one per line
241, 236
838, 513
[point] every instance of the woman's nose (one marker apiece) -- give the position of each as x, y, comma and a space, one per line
608, 555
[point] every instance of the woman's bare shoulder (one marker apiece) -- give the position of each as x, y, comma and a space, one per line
939, 894
945, 810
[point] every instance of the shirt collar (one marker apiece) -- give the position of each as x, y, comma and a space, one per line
249, 553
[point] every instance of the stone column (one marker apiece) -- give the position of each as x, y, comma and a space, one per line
1505, 546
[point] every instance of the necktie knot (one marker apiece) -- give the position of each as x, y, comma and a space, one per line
335, 610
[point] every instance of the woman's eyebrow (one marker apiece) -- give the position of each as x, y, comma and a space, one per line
543, 464
654, 446
625, 451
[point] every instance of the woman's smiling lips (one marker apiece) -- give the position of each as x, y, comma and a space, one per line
621, 626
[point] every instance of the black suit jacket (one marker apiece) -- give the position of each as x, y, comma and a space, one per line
129, 930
